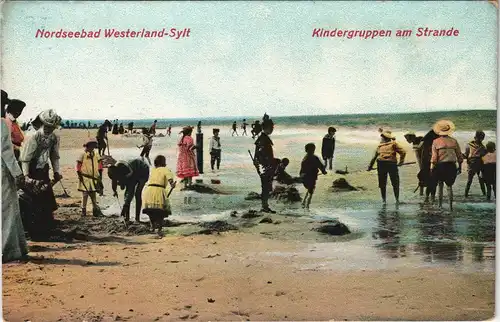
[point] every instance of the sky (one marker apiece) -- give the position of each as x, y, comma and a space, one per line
247, 58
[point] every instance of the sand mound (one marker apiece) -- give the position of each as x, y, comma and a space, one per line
92, 226
251, 214
266, 220
341, 184
217, 226
286, 194
252, 196
282, 193
202, 188
333, 227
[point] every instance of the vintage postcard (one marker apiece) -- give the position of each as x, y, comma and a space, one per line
248, 160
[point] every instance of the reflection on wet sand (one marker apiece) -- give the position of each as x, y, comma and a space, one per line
437, 235
389, 232
438, 238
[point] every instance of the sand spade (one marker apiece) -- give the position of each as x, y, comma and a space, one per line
121, 210
171, 189
66, 194
253, 160
357, 171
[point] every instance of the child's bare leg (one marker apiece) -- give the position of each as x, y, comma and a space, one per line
85, 197
450, 197
440, 195
160, 227
305, 199
152, 223
309, 199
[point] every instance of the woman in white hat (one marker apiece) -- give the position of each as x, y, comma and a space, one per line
36, 153
446, 154
387, 163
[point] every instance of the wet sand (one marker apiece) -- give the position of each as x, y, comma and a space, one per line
398, 263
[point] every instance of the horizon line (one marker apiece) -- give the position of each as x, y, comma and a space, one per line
281, 116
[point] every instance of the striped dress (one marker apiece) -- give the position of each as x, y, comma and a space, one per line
186, 160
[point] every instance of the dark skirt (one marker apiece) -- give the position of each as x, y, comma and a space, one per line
101, 143
156, 216
310, 183
474, 166
44, 203
490, 173
445, 172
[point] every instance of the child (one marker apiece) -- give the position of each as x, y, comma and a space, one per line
215, 149
328, 147
89, 170
489, 171
244, 127
147, 144
446, 159
155, 195
234, 129
309, 172
284, 177
386, 157
474, 152
132, 176
265, 163
186, 158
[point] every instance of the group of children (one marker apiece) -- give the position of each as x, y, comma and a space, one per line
440, 159
438, 149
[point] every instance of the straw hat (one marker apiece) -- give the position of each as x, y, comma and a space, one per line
443, 127
388, 135
49, 118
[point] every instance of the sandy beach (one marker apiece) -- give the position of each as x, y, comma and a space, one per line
412, 262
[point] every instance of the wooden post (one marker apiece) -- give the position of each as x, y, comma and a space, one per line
199, 152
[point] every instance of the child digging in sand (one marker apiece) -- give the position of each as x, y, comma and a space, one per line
155, 195
309, 168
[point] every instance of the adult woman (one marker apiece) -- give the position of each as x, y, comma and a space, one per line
14, 245
186, 160
38, 150
424, 175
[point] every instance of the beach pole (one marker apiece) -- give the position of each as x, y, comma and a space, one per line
199, 154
